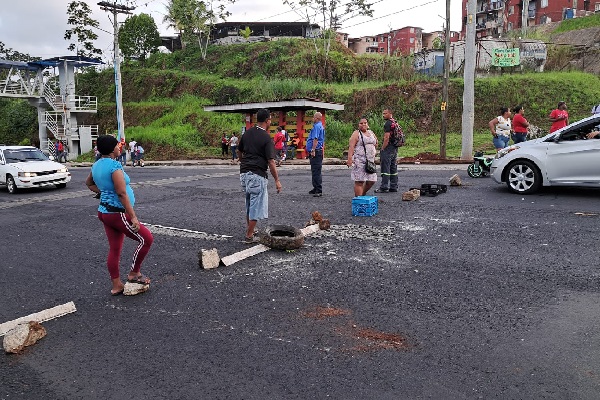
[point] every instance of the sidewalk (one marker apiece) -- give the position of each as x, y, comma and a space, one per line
218, 161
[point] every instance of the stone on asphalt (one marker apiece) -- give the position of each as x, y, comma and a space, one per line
209, 259
23, 335
455, 180
131, 289
411, 195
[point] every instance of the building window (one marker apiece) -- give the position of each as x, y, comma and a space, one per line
511, 10
381, 49
510, 26
412, 30
412, 39
544, 3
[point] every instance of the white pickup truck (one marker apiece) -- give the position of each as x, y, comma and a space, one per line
27, 167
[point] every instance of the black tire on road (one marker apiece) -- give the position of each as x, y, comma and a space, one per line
11, 185
282, 237
61, 185
523, 177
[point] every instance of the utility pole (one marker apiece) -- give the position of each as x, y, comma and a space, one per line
468, 117
444, 106
116, 9
524, 18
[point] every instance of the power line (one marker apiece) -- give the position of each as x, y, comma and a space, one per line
396, 12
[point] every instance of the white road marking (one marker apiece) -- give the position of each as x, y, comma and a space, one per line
181, 232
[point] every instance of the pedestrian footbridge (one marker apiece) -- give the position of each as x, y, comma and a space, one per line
60, 110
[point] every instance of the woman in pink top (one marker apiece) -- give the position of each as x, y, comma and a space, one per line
559, 117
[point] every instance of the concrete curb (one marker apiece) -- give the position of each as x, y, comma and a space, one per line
216, 161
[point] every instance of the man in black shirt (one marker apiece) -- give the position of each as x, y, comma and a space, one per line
256, 152
388, 155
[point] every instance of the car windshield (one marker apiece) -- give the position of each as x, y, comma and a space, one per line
23, 155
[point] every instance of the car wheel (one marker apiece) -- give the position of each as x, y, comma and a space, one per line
61, 185
474, 171
282, 237
523, 177
11, 185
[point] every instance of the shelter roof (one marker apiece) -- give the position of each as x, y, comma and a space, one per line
294, 104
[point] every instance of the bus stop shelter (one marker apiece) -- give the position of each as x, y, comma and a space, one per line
294, 115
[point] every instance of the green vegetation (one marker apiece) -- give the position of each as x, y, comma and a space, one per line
574, 24
163, 102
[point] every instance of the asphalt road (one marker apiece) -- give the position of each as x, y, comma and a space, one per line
476, 293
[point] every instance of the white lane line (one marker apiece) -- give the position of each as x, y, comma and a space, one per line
182, 232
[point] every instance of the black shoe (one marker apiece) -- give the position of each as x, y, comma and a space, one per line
392, 190
382, 190
317, 194
312, 191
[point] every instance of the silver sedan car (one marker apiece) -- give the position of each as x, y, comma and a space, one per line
567, 157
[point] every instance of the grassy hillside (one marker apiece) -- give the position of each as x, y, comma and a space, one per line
163, 103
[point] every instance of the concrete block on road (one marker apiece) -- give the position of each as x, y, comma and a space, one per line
209, 259
131, 289
23, 335
411, 195
455, 180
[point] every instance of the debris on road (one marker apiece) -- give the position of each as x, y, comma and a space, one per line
411, 195
23, 335
282, 237
132, 288
455, 180
42, 316
209, 259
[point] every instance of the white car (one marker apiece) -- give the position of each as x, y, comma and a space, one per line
563, 158
28, 167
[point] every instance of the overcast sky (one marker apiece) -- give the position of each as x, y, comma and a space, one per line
37, 27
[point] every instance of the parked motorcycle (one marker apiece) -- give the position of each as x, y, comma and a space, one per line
481, 165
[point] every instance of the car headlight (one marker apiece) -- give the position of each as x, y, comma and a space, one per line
506, 150
27, 174
63, 170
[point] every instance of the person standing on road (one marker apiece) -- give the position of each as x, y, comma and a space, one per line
314, 147
257, 153
388, 157
559, 117
278, 141
233, 142
132, 145
362, 140
115, 211
520, 125
501, 128
224, 141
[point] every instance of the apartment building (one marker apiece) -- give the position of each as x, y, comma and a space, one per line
494, 18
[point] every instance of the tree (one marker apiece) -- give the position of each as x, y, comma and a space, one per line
138, 37
79, 17
332, 20
7, 53
245, 33
194, 19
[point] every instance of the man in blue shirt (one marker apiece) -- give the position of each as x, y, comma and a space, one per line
314, 147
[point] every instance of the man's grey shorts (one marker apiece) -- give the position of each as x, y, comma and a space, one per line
257, 196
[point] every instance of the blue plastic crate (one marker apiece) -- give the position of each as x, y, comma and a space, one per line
364, 206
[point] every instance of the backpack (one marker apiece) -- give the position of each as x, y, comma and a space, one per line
396, 134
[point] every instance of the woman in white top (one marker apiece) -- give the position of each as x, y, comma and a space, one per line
501, 128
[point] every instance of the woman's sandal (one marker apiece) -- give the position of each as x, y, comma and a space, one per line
140, 280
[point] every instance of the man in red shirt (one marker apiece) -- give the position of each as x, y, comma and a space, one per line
519, 124
559, 117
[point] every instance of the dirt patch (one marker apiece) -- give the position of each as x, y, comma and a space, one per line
351, 338
320, 313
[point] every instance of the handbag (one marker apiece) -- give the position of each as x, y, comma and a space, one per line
370, 166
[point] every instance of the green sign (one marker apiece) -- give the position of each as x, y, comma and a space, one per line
505, 57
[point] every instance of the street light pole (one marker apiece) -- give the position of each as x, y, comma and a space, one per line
444, 106
468, 116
